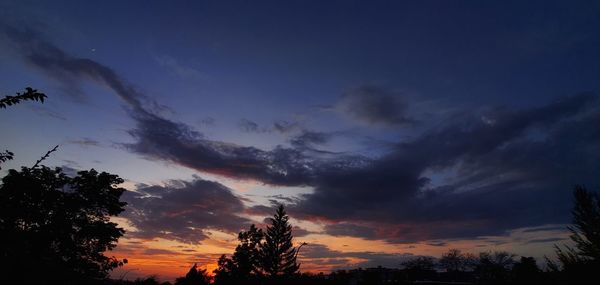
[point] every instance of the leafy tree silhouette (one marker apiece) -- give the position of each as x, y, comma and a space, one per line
243, 266
422, 267
194, 277
277, 252
457, 263
493, 268
454, 261
59, 226
30, 94
526, 271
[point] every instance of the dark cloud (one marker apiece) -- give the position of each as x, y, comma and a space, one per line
286, 127
346, 229
300, 232
437, 243
184, 210
545, 240
43, 111
310, 138
158, 251
249, 126
86, 142
502, 175
321, 254
374, 106
70, 70
481, 173
159, 138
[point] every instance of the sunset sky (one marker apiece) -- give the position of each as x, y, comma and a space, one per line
388, 129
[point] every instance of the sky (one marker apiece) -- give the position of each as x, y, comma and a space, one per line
388, 129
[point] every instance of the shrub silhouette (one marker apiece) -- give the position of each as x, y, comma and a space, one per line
59, 224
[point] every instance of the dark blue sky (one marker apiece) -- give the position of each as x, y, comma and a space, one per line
381, 123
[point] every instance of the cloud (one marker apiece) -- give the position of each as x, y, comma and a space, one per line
300, 232
545, 240
249, 126
175, 67
481, 173
374, 105
309, 138
321, 254
159, 138
85, 142
286, 127
158, 251
184, 210
499, 177
347, 229
67, 69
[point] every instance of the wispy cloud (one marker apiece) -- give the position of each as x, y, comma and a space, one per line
176, 67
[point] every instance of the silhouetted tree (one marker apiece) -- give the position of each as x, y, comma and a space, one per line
453, 261
29, 95
526, 271
59, 226
194, 277
419, 268
456, 264
583, 261
244, 264
585, 231
277, 252
493, 268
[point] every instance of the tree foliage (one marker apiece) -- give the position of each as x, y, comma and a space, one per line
194, 277
456, 261
5, 156
244, 265
277, 252
585, 231
582, 261
59, 224
493, 267
261, 256
30, 94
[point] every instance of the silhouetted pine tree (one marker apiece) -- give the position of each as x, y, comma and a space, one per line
580, 264
278, 255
